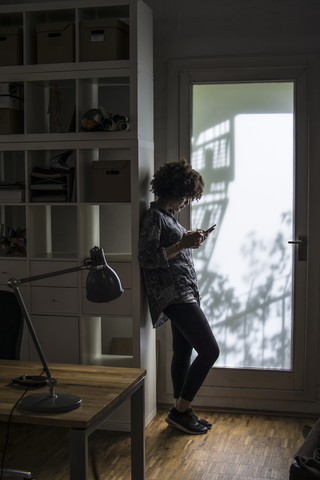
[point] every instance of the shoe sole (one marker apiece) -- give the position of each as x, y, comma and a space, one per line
171, 423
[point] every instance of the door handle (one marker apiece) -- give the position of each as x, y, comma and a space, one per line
302, 247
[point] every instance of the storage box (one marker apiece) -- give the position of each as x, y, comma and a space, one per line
55, 42
11, 51
11, 194
11, 121
111, 181
104, 39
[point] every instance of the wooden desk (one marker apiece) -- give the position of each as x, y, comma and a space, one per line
102, 390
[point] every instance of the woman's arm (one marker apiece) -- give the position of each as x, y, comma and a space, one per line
188, 240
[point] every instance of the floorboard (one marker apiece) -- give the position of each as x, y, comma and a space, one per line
238, 447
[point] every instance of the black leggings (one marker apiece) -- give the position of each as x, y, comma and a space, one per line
190, 329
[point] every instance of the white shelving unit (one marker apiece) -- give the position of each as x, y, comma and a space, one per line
59, 231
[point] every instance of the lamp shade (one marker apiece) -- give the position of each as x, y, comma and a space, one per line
103, 284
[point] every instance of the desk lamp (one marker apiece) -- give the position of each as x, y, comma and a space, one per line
102, 285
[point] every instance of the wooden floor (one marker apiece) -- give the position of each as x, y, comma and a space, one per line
238, 447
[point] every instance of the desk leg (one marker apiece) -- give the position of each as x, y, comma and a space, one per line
137, 434
78, 454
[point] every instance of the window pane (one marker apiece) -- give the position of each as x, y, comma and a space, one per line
242, 144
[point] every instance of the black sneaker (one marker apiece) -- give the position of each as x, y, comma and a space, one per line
185, 421
204, 422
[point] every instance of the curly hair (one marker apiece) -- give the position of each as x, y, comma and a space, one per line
177, 180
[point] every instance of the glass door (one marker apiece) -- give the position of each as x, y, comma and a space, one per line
243, 144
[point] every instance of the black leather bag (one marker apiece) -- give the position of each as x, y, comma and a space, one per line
304, 468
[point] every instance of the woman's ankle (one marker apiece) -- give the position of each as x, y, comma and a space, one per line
182, 405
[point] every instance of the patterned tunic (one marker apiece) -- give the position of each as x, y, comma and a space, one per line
167, 281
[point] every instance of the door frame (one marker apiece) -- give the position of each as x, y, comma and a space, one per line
274, 390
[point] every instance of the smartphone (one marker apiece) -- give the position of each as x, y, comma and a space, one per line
211, 228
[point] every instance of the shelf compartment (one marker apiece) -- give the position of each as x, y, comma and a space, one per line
12, 231
12, 167
116, 335
106, 340
50, 106
98, 18
53, 187
102, 98
105, 175
49, 180
11, 108
53, 231
105, 226
12, 177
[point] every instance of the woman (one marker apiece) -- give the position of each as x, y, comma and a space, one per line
165, 257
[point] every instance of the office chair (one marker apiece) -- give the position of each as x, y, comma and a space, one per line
11, 329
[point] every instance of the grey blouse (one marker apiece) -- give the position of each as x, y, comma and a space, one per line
167, 281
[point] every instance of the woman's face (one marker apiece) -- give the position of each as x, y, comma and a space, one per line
178, 205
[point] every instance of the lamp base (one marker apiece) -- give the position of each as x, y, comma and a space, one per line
44, 403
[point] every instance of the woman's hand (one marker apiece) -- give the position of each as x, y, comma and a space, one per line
192, 239
188, 240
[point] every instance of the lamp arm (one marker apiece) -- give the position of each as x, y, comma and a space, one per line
32, 330
14, 281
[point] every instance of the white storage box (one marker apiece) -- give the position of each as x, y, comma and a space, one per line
11, 46
104, 39
56, 42
111, 179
